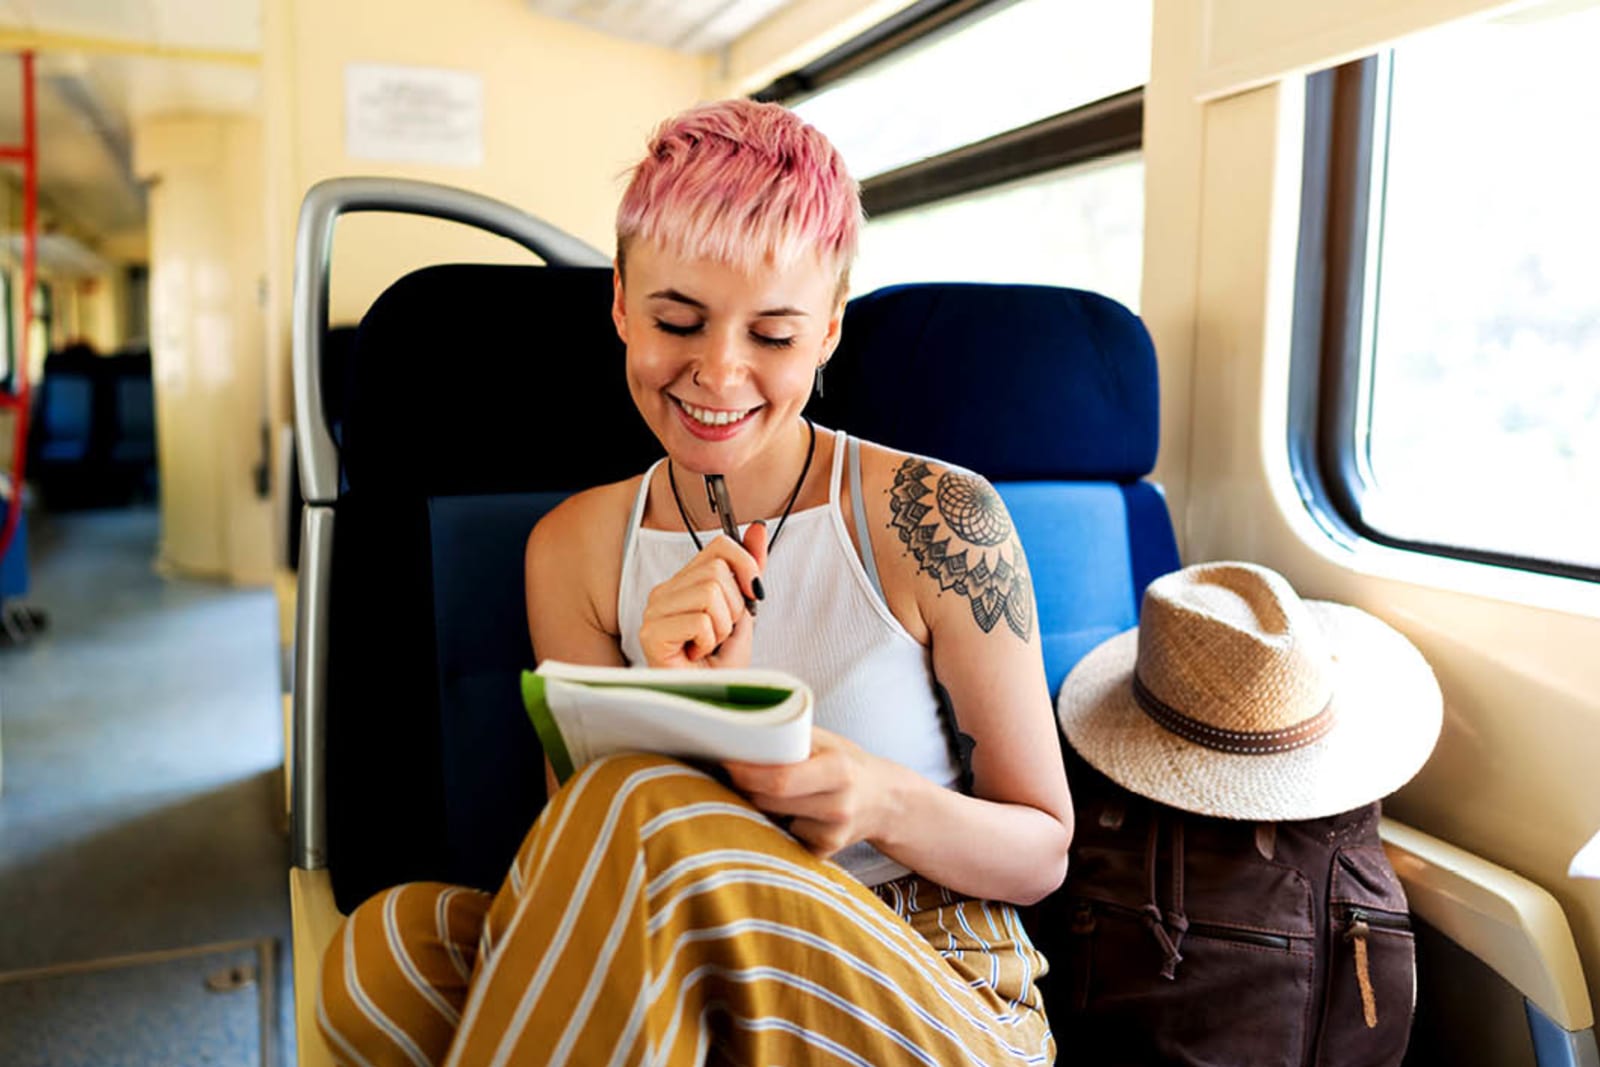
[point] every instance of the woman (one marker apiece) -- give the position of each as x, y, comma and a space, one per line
654, 913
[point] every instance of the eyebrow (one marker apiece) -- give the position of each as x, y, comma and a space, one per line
683, 298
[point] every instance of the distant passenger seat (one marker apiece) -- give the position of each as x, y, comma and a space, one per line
62, 429
92, 441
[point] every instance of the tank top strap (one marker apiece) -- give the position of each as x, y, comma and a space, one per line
835, 476
637, 518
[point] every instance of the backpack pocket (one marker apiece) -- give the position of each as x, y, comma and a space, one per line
1237, 996
1371, 991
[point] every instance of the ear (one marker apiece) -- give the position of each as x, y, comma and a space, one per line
619, 311
830, 340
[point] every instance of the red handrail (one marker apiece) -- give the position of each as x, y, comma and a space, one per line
17, 397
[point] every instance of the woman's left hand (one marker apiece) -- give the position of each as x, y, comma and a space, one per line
836, 796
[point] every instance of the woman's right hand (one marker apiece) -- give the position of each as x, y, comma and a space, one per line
697, 618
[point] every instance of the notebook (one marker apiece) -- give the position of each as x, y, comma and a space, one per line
582, 713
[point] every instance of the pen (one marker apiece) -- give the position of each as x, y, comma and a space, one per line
717, 496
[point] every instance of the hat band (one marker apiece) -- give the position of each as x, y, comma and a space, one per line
1241, 742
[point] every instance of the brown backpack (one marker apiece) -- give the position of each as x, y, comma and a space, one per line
1183, 939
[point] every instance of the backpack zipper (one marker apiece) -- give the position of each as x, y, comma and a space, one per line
1247, 937
1209, 930
1361, 923
1383, 920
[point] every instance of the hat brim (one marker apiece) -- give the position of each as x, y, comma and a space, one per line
1387, 713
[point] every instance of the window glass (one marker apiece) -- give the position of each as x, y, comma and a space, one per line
1482, 388
1024, 62
1081, 227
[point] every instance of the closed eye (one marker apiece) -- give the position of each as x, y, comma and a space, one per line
680, 330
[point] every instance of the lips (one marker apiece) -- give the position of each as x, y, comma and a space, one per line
714, 416
712, 424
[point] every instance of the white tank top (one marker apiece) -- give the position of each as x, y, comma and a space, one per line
824, 620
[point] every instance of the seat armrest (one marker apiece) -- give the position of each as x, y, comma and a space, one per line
1514, 926
316, 920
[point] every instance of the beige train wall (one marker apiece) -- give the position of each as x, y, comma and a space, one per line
1512, 778
207, 342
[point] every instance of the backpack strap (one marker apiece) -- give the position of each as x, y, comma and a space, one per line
1171, 941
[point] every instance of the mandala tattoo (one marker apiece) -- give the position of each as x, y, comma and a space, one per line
967, 510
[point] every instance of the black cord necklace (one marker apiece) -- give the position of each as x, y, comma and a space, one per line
811, 450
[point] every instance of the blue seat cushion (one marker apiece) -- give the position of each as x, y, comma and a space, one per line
493, 765
1090, 555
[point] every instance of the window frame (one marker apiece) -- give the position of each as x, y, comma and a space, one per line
1097, 130
1335, 281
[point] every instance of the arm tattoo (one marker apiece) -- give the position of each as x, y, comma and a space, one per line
969, 509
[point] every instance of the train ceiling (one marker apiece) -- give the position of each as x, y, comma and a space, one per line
693, 26
104, 64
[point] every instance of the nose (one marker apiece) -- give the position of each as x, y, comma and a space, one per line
720, 364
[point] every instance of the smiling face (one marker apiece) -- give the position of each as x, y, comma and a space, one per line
721, 361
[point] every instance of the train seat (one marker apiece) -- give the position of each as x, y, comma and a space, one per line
64, 410
428, 627
132, 443
93, 437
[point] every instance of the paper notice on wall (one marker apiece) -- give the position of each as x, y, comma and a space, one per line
1586, 864
413, 115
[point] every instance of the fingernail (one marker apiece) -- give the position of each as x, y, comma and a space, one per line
761, 593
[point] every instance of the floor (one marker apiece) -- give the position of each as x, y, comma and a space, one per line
141, 749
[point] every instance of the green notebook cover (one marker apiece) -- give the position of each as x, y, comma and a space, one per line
733, 697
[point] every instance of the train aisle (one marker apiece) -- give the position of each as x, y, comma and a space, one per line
143, 843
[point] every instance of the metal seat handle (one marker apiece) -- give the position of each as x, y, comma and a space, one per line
324, 203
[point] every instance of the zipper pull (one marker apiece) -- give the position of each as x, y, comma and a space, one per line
1356, 933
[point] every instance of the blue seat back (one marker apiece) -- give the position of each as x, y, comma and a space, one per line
64, 421
1051, 394
459, 435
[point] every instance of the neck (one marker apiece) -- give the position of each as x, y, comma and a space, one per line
760, 490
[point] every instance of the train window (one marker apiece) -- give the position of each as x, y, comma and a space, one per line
1460, 334
1010, 65
1082, 226
1024, 167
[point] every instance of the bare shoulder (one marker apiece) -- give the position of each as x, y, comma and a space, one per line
951, 541
574, 552
571, 529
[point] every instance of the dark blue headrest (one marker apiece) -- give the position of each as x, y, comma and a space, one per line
469, 378
1070, 393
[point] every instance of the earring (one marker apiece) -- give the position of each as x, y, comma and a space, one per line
818, 385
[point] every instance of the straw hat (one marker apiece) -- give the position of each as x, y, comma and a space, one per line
1236, 698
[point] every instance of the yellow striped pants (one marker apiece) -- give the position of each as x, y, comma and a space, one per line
652, 916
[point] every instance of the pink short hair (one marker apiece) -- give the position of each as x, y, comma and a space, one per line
738, 182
